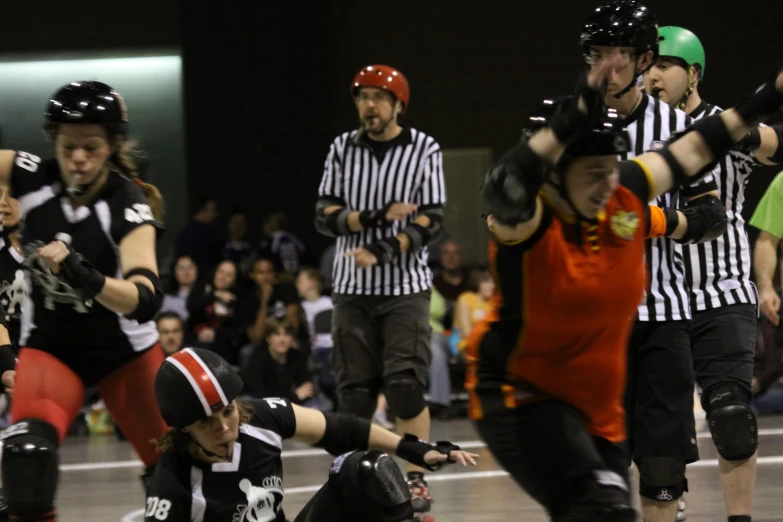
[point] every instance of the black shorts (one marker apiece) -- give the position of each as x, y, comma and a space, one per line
548, 451
659, 395
376, 336
724, 344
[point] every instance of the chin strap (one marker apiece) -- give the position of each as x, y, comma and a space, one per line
208, 453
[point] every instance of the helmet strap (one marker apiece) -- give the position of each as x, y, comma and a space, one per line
634, 80
208, 453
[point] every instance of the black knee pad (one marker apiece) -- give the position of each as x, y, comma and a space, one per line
405, 395
372, 486
662, 478
30, 467
732, 422
358, 400
601, 496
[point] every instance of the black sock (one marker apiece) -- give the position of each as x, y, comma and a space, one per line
740, 518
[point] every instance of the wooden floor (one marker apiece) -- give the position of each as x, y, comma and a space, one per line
100, 482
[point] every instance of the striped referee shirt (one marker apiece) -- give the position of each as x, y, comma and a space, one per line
367, 175
650, 126
719, 271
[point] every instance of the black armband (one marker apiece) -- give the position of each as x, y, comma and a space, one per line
511, 188
679, 177
413, 450
706, 219
751, 141
777, 158
765, 100
79, 273
385, 250
375, 218
149, 301
344, 433
672, 220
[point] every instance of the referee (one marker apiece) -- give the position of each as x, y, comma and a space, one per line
382, 197
723, 299
659, 396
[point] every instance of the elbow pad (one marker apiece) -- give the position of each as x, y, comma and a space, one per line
510, 189
706, 219
344, 433
149, 301
420, 236
778, 156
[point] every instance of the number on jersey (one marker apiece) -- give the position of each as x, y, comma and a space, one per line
27, 161
158, 508
274, 403
140, 213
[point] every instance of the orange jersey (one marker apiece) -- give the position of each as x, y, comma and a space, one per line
560, 321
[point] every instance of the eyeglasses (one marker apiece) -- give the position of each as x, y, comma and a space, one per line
376, 97
596, 57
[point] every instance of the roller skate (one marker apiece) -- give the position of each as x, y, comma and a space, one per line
681, 505
420, 497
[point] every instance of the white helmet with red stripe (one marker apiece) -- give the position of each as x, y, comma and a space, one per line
194, 383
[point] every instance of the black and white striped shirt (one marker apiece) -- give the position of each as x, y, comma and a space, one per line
719, 271
650, 125
367, 176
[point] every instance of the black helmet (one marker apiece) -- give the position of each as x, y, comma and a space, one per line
87, 103
192, 384
621, 23
607, 137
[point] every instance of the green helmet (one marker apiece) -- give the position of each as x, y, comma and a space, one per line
681, 43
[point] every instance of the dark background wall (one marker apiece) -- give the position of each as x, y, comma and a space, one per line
266, 83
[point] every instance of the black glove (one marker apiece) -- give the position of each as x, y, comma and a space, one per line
80, 275
763, 102
570, 122
413, 450
706, 219
384, 250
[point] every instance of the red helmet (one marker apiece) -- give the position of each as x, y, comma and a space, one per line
383, 77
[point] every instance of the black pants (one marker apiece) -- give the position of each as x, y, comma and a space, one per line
549, 453
659, 393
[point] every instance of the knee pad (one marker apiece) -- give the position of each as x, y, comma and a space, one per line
404, 395
30, 467
372, 486
732, 422
358, 400
662, 478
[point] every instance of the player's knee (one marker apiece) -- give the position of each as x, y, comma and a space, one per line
405, 395
30, 467
375, 485
359, 400
732, 422
662, 478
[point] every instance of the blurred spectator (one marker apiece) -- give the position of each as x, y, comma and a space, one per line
277, 369
237, 248
184, 277
318, 314
268, 299
171, 331
440, 380
473, 306
767, 384
453, 280
768, 218
284, 248
213, 317
200, 238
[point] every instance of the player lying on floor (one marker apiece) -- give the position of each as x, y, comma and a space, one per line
222, 456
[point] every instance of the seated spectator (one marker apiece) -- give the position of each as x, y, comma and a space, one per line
200, 239
283, 247
440, 379
453, 280
237, 248
318, 314
268, 299
171, 331
474, 305
213, 316
767, 384
185, 275
277, 369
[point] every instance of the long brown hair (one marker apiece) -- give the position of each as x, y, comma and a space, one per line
176, 439
122, 158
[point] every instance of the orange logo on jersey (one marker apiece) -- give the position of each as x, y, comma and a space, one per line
624, 224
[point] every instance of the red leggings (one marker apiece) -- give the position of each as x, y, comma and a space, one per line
48, 390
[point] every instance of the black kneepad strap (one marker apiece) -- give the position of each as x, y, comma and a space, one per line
732, 422
662, 478
30, 467
405, 396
